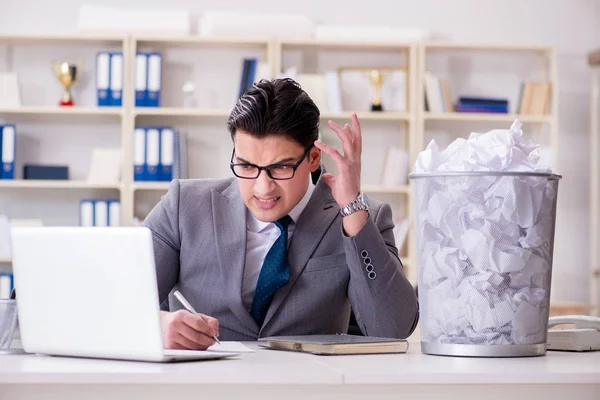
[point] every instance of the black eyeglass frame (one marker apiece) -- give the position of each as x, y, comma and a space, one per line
294, 167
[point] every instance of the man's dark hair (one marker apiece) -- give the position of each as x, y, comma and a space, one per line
276, 107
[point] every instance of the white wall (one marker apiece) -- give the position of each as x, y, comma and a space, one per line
572, 26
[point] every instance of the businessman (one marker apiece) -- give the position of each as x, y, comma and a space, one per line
282, 247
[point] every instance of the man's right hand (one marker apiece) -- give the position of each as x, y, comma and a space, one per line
186, 331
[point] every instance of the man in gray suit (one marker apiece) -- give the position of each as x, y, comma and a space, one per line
281, 248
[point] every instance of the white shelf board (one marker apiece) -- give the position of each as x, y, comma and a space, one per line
5, 260
369, 115
487, 47
346, 44
492, 117
75, 110
55, 184
218, 113
201, 40
404, 189
44, 39
181, 112
158, 186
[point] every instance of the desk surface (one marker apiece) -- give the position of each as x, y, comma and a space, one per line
260, 368
269, 367
417, 368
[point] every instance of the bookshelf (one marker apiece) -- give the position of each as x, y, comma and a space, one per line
201, 60
468, 68
451, 59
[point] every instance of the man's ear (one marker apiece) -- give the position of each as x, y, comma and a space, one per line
314, 159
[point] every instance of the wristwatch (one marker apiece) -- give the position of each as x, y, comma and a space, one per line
360, 203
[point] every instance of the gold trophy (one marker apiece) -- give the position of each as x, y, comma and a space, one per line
376, 78
67, 74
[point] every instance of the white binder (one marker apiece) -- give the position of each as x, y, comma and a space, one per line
86, 213
141, 79
139, 155
167, 150
101, 213
102, 78
116, 79
152, 153
114, 213
154, 79
8, 137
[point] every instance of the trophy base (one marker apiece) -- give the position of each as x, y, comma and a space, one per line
68, 103
376, 107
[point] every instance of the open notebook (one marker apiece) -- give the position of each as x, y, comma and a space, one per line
335, 344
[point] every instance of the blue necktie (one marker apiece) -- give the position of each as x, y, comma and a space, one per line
275, 273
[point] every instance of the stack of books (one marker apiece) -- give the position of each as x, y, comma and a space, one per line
481, 104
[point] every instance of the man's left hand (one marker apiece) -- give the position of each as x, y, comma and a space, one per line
345, 187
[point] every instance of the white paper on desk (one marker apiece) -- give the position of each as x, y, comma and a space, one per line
232, 347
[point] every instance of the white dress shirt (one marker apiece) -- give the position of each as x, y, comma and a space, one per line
260, 237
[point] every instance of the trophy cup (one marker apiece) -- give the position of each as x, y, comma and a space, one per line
376, 78
67, 74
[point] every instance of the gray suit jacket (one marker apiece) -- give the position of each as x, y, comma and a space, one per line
199, 235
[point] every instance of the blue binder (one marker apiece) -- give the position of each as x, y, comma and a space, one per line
4, 276
140, 153
167, 154
141, 79
8, 147
87, 213
154, 84
152, 153
114, 213
116, 79
102, 78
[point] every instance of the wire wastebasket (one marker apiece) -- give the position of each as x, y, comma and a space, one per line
485, 244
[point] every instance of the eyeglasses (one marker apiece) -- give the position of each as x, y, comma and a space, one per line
274, 171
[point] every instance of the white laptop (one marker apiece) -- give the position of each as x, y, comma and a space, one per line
91, 292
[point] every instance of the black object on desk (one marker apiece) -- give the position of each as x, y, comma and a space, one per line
58, 172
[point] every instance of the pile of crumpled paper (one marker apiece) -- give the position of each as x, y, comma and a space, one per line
484, 239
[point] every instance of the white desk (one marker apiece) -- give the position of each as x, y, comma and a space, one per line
281, 375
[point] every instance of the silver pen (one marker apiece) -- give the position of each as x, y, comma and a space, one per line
189, 307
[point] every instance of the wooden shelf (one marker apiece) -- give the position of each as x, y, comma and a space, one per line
158, 186
44, 39
346, 44
405, 261
76, 110
5, 260
405, 189
487, 47
55, 184
202, 41
181, 112
369, 115
217, 113
491, 117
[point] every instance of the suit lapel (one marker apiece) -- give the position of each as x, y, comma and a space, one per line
312, 225
229, 216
